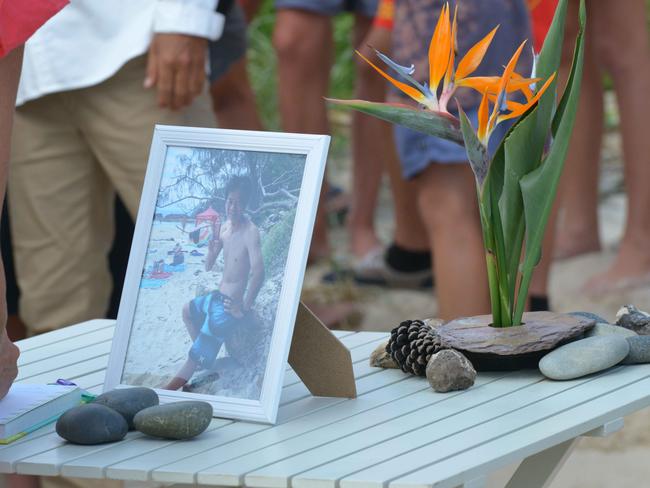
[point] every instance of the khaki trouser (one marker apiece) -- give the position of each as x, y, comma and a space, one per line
70, 152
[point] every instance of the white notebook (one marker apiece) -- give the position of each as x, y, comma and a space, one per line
29, 407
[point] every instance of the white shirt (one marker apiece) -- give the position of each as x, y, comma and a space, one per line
90, 40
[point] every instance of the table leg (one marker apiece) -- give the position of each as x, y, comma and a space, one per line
538, 470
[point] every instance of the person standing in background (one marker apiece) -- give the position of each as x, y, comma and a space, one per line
610, 25
303, 42
82, 131
17, 23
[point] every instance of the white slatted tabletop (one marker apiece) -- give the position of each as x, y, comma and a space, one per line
398, 433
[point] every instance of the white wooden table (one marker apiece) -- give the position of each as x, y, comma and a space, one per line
397, 433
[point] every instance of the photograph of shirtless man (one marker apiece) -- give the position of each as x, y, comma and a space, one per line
210, 319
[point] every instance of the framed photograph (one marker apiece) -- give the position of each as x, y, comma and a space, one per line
216, 267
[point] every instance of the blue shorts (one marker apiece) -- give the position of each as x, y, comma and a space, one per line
231, 46
216, 325
417, 150
367, 8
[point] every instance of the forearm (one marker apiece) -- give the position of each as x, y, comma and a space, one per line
253, 289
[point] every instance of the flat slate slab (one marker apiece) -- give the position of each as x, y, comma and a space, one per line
488, 348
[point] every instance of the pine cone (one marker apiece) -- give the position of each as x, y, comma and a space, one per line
411, 345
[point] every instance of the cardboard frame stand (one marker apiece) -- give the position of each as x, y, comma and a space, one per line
320, 359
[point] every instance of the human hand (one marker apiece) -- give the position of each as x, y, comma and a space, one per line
233, 308
176, 65
8, 362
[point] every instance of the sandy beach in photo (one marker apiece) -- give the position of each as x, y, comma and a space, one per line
195, 208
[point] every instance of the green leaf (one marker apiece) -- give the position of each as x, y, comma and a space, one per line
521, 157
539, 187
437, 124
477, 153
548, 63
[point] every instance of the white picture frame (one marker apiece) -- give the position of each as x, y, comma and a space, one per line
139, 342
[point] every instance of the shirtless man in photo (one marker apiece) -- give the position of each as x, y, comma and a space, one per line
211, 318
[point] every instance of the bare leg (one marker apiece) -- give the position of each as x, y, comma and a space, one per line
539, 282
578, 191
303, 43
447, 202
410, 233
188, 368
368, 149
623, 24
233, 100
182, 377
251, 7
578, 231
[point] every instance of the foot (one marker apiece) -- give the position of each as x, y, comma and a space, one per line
569, 245
373, 269
631, 269
363, 242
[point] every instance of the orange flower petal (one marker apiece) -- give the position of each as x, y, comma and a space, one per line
491, 83
525, 88
523, 107
510, 68
439, 49
452, 50
505, 78
474, 56
409, 90
483, 112
510, 104
480, 83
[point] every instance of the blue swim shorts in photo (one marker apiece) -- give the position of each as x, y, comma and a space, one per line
204, 350
208, 313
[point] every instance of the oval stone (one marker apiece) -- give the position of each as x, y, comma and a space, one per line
639, 350
91, 424
584, 357
180, 420
603, 329
590, 316
128, 401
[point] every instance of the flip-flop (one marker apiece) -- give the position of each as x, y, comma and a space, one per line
373, 270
